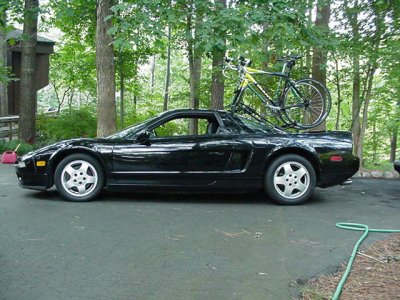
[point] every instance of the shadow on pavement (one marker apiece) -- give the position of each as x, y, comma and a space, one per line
171, 197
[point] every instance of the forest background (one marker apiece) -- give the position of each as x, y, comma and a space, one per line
119, 62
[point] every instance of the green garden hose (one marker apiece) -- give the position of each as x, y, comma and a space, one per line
356, 227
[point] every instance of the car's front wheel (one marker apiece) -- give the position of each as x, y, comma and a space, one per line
290, 179
79, 177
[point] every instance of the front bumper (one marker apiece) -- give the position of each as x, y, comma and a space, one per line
30, 178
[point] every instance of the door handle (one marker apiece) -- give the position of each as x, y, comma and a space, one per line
216, 153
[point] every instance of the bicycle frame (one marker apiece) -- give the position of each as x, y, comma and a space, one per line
248, 81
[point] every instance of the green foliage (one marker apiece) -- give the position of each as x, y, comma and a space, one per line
132, 117
136, 27
75, 18
173, 128
385, 166
73, 68
12, 145
261, 30
73, 123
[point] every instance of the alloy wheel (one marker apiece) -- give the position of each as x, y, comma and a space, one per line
79, 178
291, 180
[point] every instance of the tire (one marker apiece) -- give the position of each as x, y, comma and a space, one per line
290, 179
325, 93
79, 178
317, 108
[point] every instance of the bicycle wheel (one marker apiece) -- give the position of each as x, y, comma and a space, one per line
306, 104
325, 93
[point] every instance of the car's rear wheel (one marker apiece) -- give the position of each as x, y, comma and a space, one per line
290, 179
79, 177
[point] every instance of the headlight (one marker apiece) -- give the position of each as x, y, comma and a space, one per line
21, 164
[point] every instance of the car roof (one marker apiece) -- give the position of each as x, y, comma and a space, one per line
200, 111
192, 110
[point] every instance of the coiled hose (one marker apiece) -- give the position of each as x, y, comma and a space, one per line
355, 227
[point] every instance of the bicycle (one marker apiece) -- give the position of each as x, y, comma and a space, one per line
300, 104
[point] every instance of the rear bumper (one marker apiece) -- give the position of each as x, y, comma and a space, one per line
341, 173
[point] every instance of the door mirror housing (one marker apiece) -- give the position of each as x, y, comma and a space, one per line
144, 137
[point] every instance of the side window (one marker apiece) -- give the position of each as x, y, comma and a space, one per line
175, 127
180, 127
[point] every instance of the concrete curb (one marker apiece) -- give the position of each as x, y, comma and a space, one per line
377, 174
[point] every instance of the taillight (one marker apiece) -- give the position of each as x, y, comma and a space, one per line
336, 158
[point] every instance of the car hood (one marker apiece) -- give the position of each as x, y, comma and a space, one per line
82, 142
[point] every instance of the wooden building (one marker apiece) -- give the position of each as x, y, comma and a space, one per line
14, 50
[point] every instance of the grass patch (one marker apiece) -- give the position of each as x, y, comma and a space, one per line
385, 166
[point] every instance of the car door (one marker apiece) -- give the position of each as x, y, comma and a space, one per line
173, 160
252, 142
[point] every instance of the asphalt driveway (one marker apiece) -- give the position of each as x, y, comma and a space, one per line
129, 246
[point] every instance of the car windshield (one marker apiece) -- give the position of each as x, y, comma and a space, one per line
129, 132
253, 125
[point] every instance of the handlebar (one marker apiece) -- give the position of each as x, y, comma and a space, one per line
238, 65
242, 61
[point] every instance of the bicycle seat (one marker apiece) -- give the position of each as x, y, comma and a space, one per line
289, 58
296, 56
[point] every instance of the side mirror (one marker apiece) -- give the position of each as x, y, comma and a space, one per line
143, 137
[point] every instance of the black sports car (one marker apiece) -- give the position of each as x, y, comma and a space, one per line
228, 153
396, 165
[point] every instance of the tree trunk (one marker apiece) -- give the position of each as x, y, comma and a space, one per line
308, 47
352, 16
217, 84
28, 68
339, 94
121, 89
60, 101
71, 98
365, 109
374, 142
195, 75
135, 100
152, 72
106, 107
3, 65
135, 84
194, 55
217, 78
356, 105
167, 72
393, 144
319, 59
265, 65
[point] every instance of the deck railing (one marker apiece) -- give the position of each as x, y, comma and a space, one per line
9, 127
